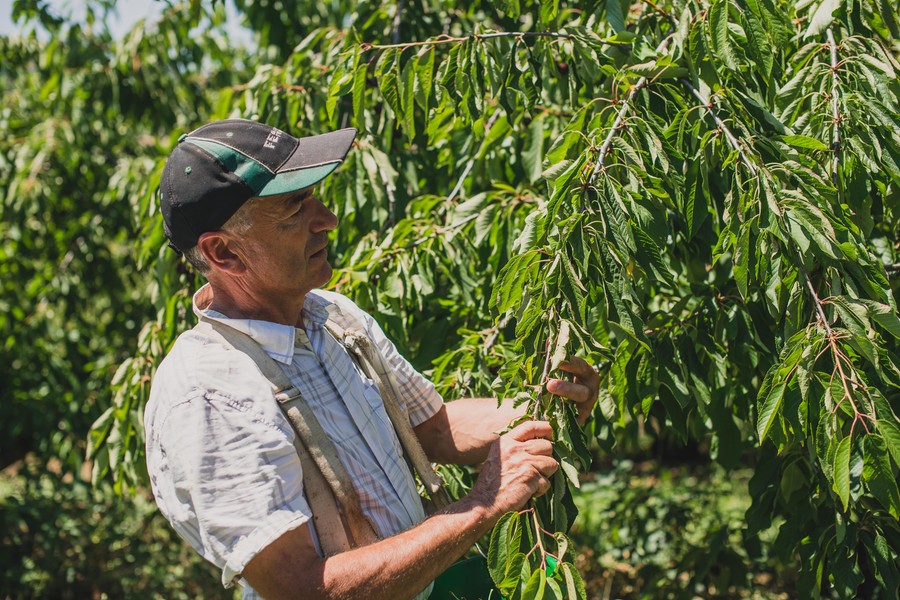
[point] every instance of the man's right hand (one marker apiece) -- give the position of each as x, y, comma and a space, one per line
517, 468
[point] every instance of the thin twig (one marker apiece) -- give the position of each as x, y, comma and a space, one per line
812, 290
720, 124
540, 399
835, 109
448, 39
537, 535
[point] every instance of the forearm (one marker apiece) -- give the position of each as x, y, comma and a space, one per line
464, 429
395, 568
515, 469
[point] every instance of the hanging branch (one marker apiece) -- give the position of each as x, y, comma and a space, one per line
620, 116
544, 376
456, 189
839, 356
835, 109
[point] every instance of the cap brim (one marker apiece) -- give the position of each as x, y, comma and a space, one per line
314, 159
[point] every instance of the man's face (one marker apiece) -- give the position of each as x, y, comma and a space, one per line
285, 246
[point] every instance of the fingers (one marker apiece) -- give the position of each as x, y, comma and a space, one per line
530, 430
546, 465
573, 391
580, 368
539, 446
543, 487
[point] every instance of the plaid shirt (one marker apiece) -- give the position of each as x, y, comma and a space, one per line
220, 452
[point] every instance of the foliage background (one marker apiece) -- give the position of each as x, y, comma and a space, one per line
727, 250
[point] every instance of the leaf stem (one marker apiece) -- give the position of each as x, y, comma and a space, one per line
839, 356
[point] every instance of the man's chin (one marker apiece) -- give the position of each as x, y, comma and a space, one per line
326, 272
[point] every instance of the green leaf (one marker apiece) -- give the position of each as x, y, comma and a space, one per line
741, 260
512, 8
504, 546
821, 19
534, 588
813, 225
508, 289
559, 352
842, 472
424, 78
891, 434
386, 73
549, 8
533, 154
407, 83
574, 584
879, 475
884, 315
615, 15
359, 94
805, 142
570, 471
758, 44
885, 564
769, 410
721, 39
696, 210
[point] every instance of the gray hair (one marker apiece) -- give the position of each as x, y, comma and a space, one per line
239, 223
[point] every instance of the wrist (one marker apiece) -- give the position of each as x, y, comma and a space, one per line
482, 510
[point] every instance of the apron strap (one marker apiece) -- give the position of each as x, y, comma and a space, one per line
329, 491
373, 364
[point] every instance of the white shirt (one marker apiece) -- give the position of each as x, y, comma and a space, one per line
220, 452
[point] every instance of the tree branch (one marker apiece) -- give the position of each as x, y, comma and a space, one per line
447, 39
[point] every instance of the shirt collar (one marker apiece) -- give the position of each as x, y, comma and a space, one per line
276, 339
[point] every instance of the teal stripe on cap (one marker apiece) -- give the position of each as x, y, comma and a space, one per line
254, 174
291, 181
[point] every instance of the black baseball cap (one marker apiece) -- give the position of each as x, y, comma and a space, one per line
215, 169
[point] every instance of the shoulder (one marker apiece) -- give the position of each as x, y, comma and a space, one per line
342, 309
327, 297
199, 368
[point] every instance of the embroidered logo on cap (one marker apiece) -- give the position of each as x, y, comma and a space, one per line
272, 139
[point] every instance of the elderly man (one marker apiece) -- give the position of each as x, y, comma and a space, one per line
238, 200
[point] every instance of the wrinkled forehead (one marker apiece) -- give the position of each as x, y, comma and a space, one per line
286, 200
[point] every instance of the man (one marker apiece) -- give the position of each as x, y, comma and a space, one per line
238, 199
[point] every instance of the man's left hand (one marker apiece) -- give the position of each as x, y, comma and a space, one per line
582, 390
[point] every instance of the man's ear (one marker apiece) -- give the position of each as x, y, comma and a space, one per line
222, 252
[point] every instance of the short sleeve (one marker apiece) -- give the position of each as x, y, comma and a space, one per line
236, 481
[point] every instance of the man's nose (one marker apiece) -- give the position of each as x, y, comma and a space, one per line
325, 220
